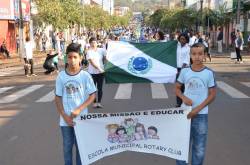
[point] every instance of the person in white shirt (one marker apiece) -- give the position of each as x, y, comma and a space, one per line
96, 57
183, 58
28, 57
239, 46
192, 39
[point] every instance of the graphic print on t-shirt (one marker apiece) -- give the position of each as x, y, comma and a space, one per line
72, 88
195, 85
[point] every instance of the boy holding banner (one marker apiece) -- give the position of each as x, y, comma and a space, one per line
74, 91
199, 92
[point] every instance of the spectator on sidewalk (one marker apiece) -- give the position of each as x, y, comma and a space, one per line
44, 41
49, 64
58, 46
28, 58
17, 43
206, 43
4, 50
219, 40
233, 38
239, 46
53, 40
248, 42
37, 41
62, 43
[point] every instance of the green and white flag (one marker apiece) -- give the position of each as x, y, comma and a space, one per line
141, 62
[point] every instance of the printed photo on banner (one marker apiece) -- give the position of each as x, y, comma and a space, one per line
130, 130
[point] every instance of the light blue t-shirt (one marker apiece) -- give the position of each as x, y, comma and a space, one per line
74, 90
197, 84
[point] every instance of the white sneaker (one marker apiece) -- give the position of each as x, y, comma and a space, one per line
99, 105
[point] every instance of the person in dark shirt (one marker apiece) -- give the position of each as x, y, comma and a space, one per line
4, 50
219, 40
49, 65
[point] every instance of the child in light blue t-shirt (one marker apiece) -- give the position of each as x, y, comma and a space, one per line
74, 91
200, 90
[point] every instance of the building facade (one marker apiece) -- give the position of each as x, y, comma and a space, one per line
121, 11
9, 21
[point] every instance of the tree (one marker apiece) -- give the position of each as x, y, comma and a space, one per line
155, 18
178, 19
59, 13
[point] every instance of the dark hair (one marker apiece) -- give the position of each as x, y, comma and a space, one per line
199, 45
27, 39
92, 39
119, 129
184, 35
153, 128
161, 35
73, 47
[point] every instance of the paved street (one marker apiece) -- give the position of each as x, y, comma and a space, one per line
29, 123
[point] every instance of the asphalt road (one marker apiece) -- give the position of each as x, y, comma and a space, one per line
29, 132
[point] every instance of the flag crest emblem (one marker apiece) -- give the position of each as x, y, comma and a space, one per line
139, 65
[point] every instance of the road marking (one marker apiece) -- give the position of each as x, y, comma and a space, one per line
13, 97
246, 84
124, 91
47, 98
2, 90
158, 91
231, 91
13, 138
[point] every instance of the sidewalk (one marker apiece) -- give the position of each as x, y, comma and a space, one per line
15, 60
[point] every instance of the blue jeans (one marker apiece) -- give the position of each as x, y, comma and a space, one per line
69, 140
198, 139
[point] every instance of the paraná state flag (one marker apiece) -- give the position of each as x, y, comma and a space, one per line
141, 62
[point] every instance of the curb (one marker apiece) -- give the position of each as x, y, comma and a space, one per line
37, 61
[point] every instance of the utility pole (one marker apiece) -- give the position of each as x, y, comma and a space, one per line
110, 7
21, 37
201, 28
238, 16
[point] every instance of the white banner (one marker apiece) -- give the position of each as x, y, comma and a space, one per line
163, 132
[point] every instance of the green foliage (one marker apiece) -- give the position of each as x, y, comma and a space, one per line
62, 14
59, 13
180, 18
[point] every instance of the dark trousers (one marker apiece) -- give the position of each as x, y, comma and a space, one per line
26, 68
239, 58
98, 80
178, 100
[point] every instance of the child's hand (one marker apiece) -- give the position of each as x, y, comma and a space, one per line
101, 70
191, 115
187, 101
75, 113
69, 120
